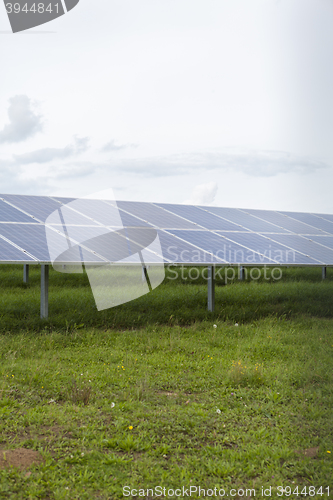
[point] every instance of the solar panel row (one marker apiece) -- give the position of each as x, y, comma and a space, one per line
188, 234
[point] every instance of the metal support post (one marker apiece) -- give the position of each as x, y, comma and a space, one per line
211, 288
241, 273
323, 273
44, 291
26, 273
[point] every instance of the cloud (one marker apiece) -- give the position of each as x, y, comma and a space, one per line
203, 194
23, 121
69, 171
46, 155
13, 181
260, 163
112, 146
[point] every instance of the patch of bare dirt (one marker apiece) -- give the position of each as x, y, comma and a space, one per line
21, 458
309, 452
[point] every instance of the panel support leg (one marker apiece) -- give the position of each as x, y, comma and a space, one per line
144, 272
44, 291
241, 273
26, 273
323, 273
211, 288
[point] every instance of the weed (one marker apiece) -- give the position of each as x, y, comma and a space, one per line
79, 393
245, 375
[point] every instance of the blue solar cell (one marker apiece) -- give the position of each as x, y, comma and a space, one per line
30, 237
65, 215
96, 210
86, 212
11, 214
327, 241
63, 200
312, 220
306, 246
39, 207
155, 215
81, 233
112, 244
328, 217
245, 220
221, 247
200, 217
264, 245
284, 222
9, 253
129, 220
178, 251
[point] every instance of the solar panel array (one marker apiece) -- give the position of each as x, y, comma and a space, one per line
197, 235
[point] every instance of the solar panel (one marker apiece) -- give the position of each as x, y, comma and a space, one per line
178, 251
312, 220
10, 253
101, 234
285, 222
62, 199
40, 207
114, 246
155, 215
11, 214
221, 247
265, 245
200, 217
30, 237
327, 241
86, 211
100, 231
328, 217
307, 246
97, 210
66, 215
244, 220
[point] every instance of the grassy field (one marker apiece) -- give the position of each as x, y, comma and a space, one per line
159, 392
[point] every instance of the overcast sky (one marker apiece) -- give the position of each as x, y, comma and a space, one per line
223, 102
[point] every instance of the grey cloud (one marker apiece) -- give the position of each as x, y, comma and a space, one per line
79, 169
253, 163
112, 146
23, 121
49, 154
12, 182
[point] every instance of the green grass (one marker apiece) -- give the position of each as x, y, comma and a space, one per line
226, 406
